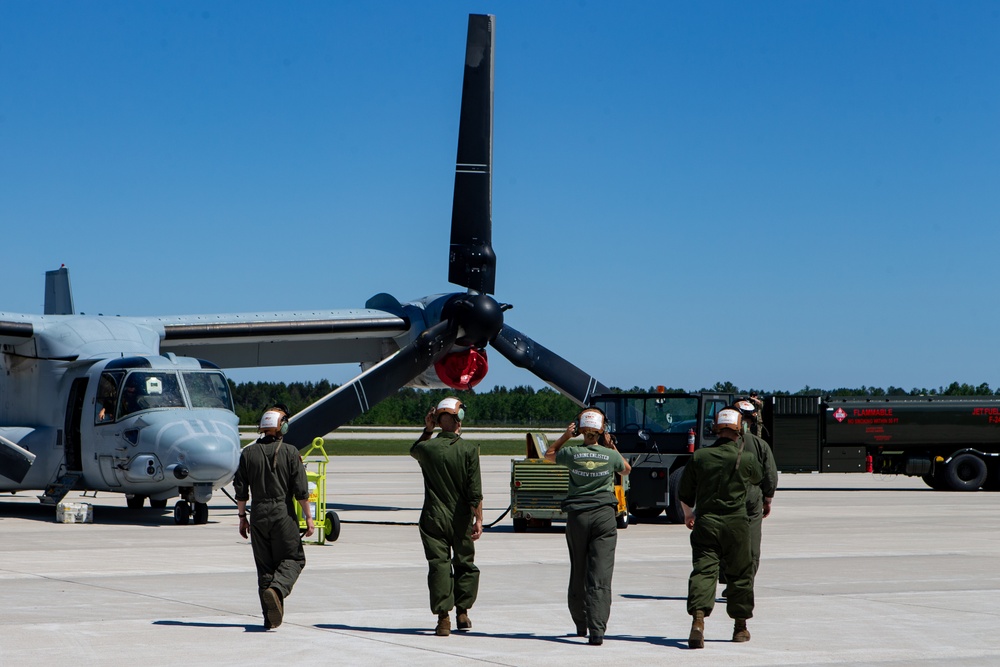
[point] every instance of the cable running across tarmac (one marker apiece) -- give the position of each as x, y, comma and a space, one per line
387, 523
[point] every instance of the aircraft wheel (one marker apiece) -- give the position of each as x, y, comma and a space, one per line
966, 472
182, 513
520, 525
200, 513
331, 530
134, 501
622, 521
158, 504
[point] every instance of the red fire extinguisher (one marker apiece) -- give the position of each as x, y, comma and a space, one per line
691, 440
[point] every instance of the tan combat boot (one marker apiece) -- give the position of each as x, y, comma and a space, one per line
697, 637
462, 619
740, 632
443, 628
275, 610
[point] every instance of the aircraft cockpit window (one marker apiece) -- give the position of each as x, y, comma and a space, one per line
208, 390
145, 390
107, 397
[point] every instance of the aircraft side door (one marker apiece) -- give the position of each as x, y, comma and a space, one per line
71, 425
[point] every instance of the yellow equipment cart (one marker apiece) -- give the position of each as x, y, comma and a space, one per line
327, 522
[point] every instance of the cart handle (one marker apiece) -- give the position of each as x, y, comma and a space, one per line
317, 443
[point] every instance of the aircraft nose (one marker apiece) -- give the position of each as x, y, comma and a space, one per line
209, 458
204, 444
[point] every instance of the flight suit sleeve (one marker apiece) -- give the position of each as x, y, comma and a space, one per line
687, 489
752, 471
769, 481
298, 483
475, 478
241, 483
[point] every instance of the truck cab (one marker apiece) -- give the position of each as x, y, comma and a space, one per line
657, 432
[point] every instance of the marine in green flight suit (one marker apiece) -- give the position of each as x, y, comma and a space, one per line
761, 494
271, 472
591, 529
713, 493
452, 516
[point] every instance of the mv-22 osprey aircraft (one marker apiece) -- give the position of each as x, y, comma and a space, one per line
140, 405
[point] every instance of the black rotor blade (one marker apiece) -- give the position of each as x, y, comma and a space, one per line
471, 261
366, 390
15, 461
563, 376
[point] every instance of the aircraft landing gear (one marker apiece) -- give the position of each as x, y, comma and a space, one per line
134, 502
185, 512
182, 512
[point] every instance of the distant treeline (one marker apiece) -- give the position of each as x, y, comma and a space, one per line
520, 406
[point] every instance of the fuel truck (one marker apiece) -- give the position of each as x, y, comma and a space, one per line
951, 442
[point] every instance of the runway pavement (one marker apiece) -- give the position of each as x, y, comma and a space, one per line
856, 570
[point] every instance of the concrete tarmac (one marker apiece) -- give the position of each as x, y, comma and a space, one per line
856, 570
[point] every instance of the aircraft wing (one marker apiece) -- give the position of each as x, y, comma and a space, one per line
245, 340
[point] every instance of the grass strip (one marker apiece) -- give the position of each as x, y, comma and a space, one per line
402, 447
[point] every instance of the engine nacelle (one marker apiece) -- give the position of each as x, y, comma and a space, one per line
460, 369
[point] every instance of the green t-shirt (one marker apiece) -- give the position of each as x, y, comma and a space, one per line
591, 475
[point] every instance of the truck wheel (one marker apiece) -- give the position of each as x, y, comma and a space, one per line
622, 520
934, 481
966, 472
520, 525
992, 482
675, 512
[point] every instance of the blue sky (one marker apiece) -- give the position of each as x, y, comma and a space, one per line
778, 194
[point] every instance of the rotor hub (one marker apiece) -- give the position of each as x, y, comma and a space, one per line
479, 317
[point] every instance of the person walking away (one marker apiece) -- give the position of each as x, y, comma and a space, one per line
452, 516
272, 473
713, 492
591, 529
760, 495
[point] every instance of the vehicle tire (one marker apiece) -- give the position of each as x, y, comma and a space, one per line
200, 513
646, 513
622, 521
331, 530
934, 481
135, 502
158, 504
992, 482
965, 472
520, 525
182, 513
675, 511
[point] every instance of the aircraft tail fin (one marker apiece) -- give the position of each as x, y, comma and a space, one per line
58, 295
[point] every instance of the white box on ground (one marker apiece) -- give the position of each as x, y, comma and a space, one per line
75, 513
